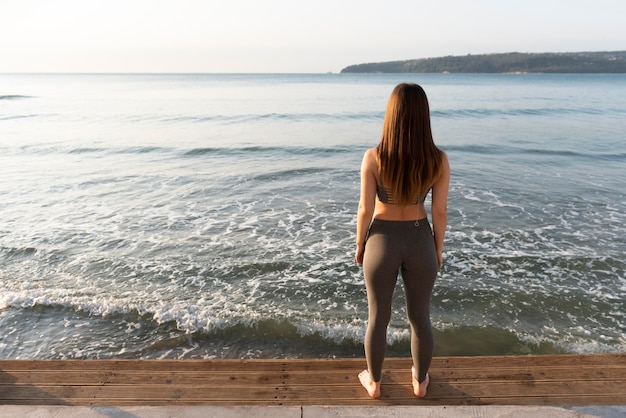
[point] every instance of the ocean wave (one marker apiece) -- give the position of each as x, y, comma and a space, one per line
288, 173
537, 150
103, 150
13, 117
270, 150
239, 310
284, 117
65, 333
512, 151
274, 151
479, 113
140, 150
321, 118
86, 150
13, 252
14, 97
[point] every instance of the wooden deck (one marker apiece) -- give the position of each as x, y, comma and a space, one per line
563, 380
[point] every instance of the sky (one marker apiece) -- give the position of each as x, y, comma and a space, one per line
290, 36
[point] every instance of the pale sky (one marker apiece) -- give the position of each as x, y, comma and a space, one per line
290, 36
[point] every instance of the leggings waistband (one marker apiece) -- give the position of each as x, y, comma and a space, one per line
393, 221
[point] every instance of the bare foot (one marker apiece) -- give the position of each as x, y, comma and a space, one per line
419, 389
372, 388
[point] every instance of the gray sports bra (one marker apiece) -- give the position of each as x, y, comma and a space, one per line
385, 195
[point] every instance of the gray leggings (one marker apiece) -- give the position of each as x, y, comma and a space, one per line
408, 247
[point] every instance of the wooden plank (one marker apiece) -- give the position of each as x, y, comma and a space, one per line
520, 380
517, 374
330, 377
438, 389
161, 392
573, 360
313, 364
122, 377
42, 378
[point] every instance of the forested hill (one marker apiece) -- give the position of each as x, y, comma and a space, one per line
513, 62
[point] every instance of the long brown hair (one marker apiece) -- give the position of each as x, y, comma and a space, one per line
408, 160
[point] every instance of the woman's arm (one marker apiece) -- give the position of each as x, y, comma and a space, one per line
367, 201
440, 207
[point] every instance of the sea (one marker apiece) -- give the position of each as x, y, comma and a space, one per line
212, 216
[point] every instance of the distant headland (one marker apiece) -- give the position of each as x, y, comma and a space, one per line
512, 62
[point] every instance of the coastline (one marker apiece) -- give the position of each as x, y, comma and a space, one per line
602, 62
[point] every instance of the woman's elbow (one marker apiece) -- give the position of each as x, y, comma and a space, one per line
440, 213
365, 211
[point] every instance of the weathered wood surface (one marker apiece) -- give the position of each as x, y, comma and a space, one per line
564, 380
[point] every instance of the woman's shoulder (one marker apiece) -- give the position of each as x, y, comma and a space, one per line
370, 156
370, 162
444, 159
371, 152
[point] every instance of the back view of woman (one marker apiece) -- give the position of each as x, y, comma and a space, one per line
393, 232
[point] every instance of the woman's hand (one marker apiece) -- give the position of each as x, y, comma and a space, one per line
360, 250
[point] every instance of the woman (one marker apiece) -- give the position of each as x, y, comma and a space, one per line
393, 232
